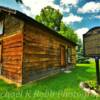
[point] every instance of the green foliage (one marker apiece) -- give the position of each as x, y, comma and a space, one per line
80, 56
68, 32
92, 83
50, 17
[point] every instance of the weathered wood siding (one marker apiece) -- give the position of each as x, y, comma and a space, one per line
42, 53
12, 49
73, 55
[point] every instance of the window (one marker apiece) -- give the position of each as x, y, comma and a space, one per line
69, 55
1, 27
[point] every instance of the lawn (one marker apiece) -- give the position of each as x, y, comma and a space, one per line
62, 86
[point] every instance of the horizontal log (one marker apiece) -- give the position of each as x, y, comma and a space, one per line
13, 39
12, 56
38, 51
5, 72
32, 35
40, 64
33, 48
18, 49
11, 66
36, 59
12, 63
12, 76
12, 70
31, 69
32, 39
18, 44
11, 43
12, 60
41, 44
36, 65
40, 56
9, 57
41, 60
12, 53
40, 67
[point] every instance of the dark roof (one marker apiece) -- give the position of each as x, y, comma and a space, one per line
30, 20
92, 29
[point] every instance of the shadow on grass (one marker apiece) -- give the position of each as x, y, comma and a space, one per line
63, 81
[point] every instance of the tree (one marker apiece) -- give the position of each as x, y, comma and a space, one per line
68, 32
50, 17
80, 56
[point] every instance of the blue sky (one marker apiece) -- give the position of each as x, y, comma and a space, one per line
81, 15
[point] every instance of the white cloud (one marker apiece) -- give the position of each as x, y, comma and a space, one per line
65, 5
37, 5
71, 19
69, 2
26, 10
67, 10
98, 16
90, 7
81, 31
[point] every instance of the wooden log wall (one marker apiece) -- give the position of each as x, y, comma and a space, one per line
12, 49
12, 57
41, 53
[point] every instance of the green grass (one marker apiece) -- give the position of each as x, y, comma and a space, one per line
62, 86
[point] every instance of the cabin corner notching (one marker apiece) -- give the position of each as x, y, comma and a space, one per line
29, 50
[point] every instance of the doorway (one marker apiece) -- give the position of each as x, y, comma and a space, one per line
63, 56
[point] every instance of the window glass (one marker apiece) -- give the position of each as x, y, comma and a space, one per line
69, 55
1, 27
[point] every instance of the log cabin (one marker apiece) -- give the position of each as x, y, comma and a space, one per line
29, 50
